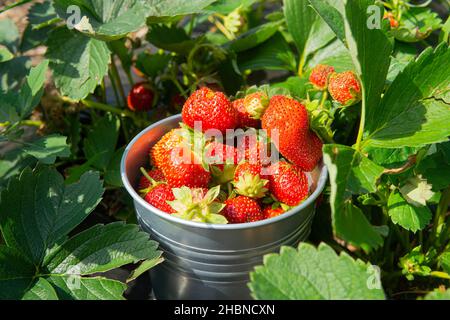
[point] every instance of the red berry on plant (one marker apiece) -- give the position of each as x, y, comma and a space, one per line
392, 21
286, 121
140, 97
242, 209
319, 76
345, 88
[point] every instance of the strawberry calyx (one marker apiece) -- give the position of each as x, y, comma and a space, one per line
195, 205
256, 104
223, 174
153, 183
250, 185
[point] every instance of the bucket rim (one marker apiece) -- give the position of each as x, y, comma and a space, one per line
238, 226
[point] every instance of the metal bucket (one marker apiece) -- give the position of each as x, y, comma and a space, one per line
204, 261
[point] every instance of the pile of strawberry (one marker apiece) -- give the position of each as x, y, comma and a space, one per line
198, 177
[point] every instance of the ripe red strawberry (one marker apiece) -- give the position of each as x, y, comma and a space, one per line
185, 169
270, 212
245, 119
212, 109
242, 209
162, 149
287, 183
156, 174
345, 88
319, 76
249, 180
253, 148
140, 97
288, 119
158, 197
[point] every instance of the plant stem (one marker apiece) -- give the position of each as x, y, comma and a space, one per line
108, 108
47, 23
362, 122
222, 28
116, 77
15, 4
191, 25
301, 64
179, 87
440, 274
324, 98
30, 123
441, 212
114, 87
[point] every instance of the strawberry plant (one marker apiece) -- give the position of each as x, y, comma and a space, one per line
361, 85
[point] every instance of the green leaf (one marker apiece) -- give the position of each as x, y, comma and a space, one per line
12, 163
101, 141
152, 64
335, 54
351, 173
78, 63
331, 11
9, 35
37, 209
314, 274
300, 18
417, 24
171, 39
444, 261
5, 54
273, 54
38, 14
407, 216
74, 287
144, 267
32, 90
102, 248
104, 20
15, 273
13, 73
171, 8
390, 158
112, 174
412, 111
296, 86
445, 32
370, 50
48, 148
320, 36
403, 56
436, 168
41, 290
254, 37
226, 6
438, 294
